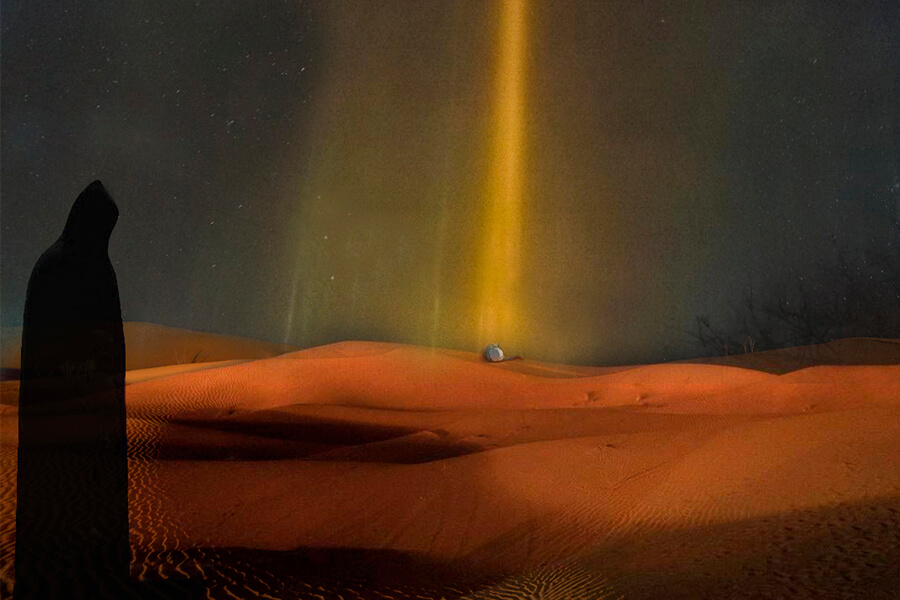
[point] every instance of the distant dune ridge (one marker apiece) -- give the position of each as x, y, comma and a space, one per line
151, 345
372, 470
852, 351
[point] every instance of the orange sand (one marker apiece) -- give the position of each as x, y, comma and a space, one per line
384, 470
151, 345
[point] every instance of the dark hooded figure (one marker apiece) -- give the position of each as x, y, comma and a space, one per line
72, 506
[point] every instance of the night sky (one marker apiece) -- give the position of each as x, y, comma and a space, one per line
317, 171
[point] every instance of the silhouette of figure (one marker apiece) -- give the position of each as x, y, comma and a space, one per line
72, 497
72, 507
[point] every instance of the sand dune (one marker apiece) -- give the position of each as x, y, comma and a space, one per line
374, 470
849, 351
151, 345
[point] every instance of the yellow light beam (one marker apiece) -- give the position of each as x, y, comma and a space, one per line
500, 251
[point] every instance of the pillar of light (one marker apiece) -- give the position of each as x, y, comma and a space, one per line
500, 248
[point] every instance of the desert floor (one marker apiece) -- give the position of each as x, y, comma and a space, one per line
374, 470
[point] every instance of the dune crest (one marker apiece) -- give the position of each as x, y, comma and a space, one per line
151, 345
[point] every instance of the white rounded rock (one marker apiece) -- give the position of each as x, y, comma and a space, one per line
493, 353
